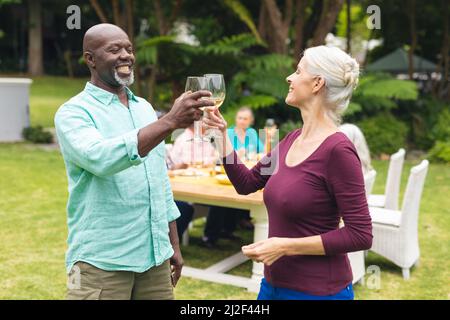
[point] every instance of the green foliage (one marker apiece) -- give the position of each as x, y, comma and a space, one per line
233, 45
358, 18
385, 86
265, 74
440, 152
37, 134
379, 92
384, 133
288, 126
423, 115
258, 101
256, 81
264, 78
245, 16
3, 2
441, 131
147, 50
353, 108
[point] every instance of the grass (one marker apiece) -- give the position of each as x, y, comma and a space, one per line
33, 194
47, 94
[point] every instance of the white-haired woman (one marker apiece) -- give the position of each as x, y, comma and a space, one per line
317, 180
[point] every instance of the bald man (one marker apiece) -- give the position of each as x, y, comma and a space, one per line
122, 241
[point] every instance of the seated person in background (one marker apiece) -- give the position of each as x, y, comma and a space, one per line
179, 157
244, 138
356, 136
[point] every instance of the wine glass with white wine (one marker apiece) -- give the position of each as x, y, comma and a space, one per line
194, 84
216, 84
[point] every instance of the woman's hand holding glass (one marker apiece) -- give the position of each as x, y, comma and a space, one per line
213, 120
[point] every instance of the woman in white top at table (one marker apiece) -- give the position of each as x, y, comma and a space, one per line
181, 155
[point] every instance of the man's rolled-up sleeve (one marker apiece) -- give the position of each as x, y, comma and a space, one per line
131, 144
82, 144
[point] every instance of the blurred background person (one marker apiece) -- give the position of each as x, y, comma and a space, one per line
357, 137
243, 137
181, 154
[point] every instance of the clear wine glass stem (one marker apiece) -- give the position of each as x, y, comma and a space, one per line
198, 130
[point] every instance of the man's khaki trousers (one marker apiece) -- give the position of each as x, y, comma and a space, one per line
87, 282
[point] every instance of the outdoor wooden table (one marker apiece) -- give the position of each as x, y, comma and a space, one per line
206, 190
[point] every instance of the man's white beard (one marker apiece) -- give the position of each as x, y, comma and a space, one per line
124, 82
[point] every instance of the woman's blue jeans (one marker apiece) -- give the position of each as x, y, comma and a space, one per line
268, 292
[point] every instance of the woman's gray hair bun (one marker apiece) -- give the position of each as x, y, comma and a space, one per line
340, 72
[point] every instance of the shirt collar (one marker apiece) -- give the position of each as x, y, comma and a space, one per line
234, 127
104, 96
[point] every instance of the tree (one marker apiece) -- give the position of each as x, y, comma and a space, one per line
245, 16
274, 25
413, 35
348, 34
35, 50
443, 86
99, 11
300, 22
308, 21
328, 16
165, 25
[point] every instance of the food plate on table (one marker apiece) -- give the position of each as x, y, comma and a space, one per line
223, 179
189, 172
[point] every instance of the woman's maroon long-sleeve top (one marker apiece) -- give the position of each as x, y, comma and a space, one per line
306, 200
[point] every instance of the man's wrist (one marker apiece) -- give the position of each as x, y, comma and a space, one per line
175, 245
169, 123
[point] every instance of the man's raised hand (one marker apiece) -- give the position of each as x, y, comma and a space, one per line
185, 109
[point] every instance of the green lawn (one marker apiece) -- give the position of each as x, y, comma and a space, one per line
47, 94
33, 192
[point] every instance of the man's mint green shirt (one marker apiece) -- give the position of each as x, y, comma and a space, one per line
120, 204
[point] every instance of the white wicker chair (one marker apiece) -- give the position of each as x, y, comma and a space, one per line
369, 181
357, 258
389, 200
395, 233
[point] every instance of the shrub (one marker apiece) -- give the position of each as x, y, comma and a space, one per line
287, 127
440, 152
423, 115
441, 130
37, 134
384, 133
